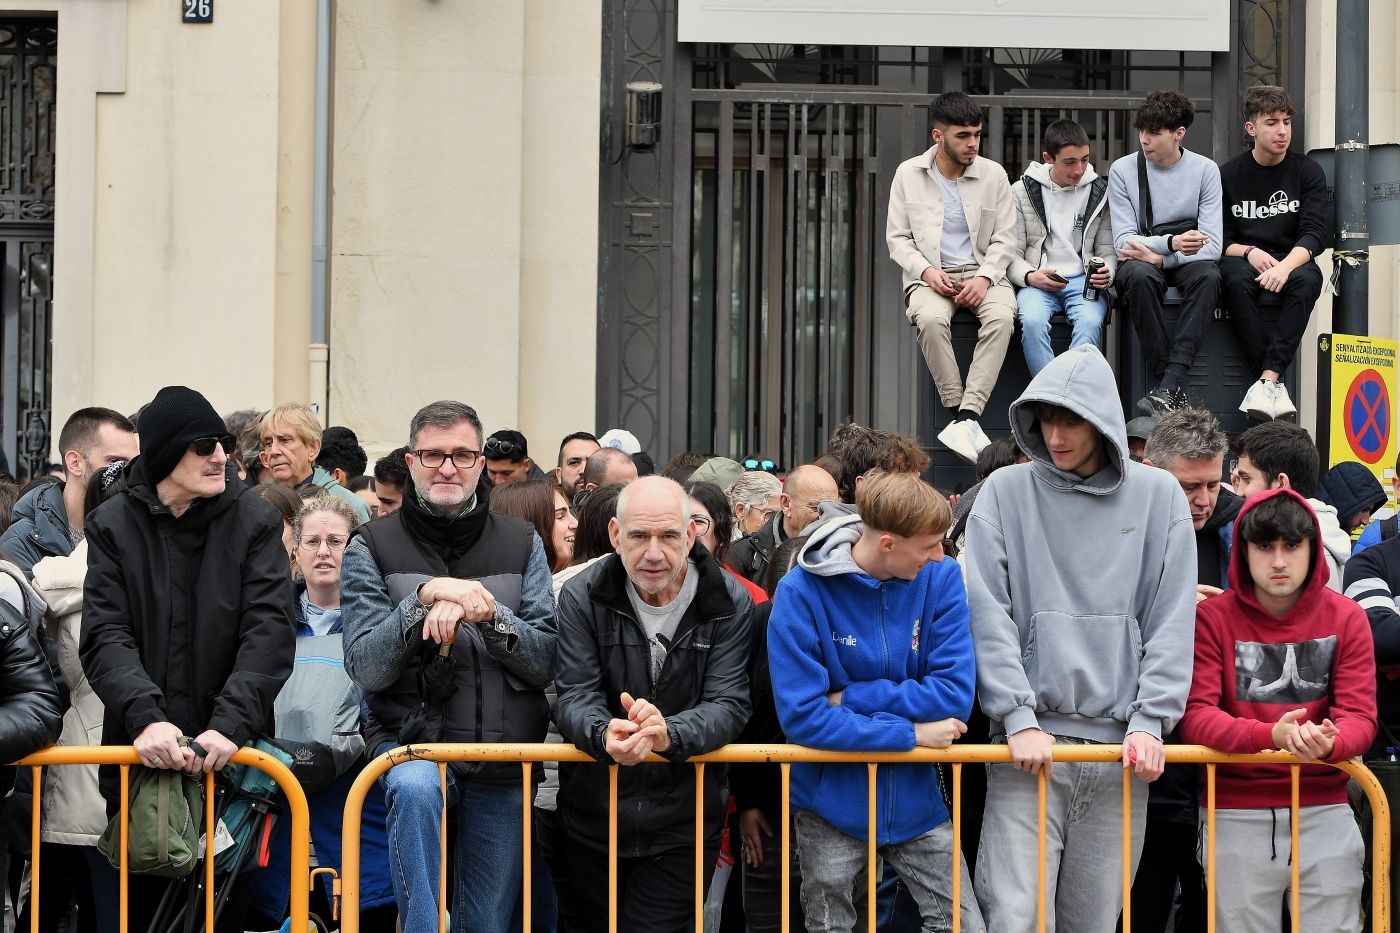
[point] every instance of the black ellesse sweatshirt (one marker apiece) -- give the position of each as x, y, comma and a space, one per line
1276, 207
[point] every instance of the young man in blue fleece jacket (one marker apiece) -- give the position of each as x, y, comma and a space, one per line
1081, 578
869, 651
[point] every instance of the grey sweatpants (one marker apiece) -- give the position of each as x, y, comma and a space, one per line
832, 860
1253, 869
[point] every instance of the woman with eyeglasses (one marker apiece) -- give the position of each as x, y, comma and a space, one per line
318, 722
755, 497
714, 528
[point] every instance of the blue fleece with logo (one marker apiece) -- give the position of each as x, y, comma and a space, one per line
899, 650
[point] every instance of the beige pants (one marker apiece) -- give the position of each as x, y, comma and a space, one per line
931, 314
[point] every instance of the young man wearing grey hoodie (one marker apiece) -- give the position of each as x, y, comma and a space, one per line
1061, 226
1081, 574
1168, 228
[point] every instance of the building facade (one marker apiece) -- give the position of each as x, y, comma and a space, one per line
493, 233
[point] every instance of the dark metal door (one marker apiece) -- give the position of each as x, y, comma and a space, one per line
28, 55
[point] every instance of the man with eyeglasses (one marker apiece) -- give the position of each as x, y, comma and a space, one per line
187, 610
508, 458
448, 585
799, 505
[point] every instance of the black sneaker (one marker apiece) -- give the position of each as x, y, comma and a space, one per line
1161, 401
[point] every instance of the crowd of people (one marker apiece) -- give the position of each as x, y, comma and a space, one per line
223, 580
1243, 235
188, 584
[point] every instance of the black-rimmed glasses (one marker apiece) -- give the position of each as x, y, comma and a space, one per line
462, 458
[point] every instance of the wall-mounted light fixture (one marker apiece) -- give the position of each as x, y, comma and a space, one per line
643, 115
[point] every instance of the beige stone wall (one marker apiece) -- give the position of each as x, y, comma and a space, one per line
1320, 108
187, 215
465, 213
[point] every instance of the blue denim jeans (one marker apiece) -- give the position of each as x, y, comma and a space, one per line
1035, 306
1083, 846
488, 857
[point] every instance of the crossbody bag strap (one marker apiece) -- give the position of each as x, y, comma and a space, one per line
1144, 194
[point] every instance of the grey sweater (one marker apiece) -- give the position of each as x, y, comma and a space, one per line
1082, 591
1188, 189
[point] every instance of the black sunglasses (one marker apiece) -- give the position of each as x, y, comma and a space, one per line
497, 449
204, 446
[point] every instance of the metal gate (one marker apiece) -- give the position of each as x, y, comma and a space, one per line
747, 304
28, 56
796, 315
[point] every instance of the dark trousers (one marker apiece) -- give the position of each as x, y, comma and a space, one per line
655, 894
1168, 858
1142, 286
1269, 345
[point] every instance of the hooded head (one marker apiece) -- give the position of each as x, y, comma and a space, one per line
1080, 381
1351, 489
1268, 567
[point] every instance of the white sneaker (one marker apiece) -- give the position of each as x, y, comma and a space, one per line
1283, 405
964, 438
1259, 401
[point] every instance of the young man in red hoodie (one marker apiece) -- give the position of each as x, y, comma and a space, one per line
1282, 662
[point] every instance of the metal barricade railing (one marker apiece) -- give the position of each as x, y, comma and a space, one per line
347, 886
124, 756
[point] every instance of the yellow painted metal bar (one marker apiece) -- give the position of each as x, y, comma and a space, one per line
442, 848
1127, 850
786, 889
612, 848
1040, 783
209, 839
872, 883
700, 843
34, 846
1294, 773
526, 800
783, 755
124, 756
957, 847
1210, 846
123, 872
335, 887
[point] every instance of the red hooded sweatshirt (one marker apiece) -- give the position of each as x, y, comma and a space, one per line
1253, 666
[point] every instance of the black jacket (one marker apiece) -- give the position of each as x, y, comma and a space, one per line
31, 713
760, 785
186, 620
749, 556
1372, 578
703, 692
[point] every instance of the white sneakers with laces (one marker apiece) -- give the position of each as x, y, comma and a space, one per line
1267, 400
964, 438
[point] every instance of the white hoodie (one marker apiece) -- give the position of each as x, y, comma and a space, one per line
1335, 541
1064, 213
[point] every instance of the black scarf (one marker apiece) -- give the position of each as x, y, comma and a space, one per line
449, 538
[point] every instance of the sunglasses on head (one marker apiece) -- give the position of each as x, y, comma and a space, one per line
497, 449
204, 446
753, 463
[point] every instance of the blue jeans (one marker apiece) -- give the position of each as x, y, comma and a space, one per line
486, 883
1035, 306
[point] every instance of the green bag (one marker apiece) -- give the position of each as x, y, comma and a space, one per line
165, 814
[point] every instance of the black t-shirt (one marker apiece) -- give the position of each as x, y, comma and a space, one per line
1276, 207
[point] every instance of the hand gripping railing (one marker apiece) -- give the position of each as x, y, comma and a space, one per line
347, 887
124, 756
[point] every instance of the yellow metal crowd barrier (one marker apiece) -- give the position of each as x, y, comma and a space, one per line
125, 756
348, 886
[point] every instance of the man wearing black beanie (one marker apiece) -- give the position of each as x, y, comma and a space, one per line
187, 621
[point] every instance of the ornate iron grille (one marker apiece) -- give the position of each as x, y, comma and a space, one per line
28, 95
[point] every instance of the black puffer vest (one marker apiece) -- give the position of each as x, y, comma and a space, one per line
491, 704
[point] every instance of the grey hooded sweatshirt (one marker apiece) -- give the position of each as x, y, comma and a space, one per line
1082, 590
